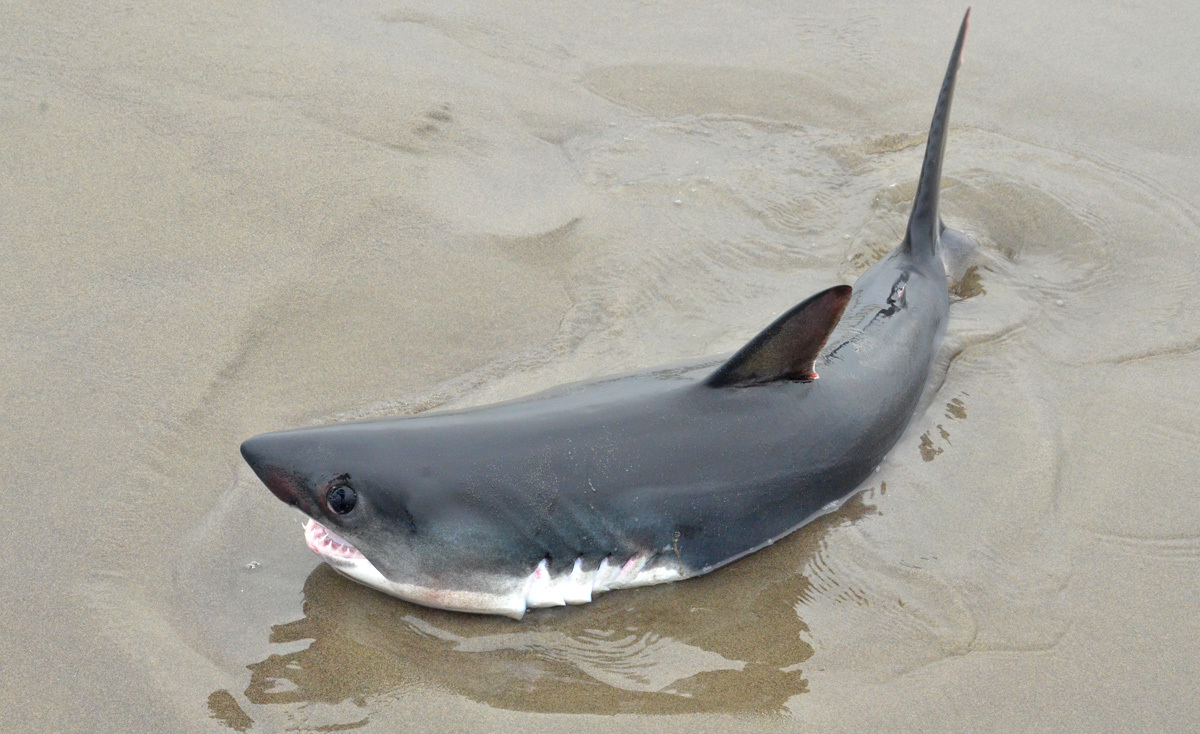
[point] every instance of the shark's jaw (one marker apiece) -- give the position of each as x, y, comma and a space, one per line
330, 546
510, 596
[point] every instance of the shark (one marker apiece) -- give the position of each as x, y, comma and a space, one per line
644, 478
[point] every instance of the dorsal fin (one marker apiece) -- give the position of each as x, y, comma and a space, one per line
787, 348
920, 239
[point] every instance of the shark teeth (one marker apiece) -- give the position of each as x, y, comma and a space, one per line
328, 544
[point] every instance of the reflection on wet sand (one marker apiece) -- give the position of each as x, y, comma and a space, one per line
668, 649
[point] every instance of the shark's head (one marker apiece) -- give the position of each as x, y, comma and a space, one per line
320, 472
368, 498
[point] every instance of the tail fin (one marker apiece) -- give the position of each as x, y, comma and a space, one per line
924, 224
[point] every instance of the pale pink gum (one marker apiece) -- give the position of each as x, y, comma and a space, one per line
323, 542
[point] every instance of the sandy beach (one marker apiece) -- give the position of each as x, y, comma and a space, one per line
229, 218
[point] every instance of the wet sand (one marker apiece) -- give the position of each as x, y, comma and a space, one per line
225, 220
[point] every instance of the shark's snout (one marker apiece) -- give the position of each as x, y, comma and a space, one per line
262, 453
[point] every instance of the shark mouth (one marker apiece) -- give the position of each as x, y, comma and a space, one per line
329, 545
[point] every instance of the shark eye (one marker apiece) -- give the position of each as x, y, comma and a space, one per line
341, 499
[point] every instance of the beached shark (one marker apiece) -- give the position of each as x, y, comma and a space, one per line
638, 479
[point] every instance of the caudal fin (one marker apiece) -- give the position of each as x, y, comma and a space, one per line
924, 225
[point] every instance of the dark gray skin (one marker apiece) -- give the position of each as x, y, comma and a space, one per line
695, 465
